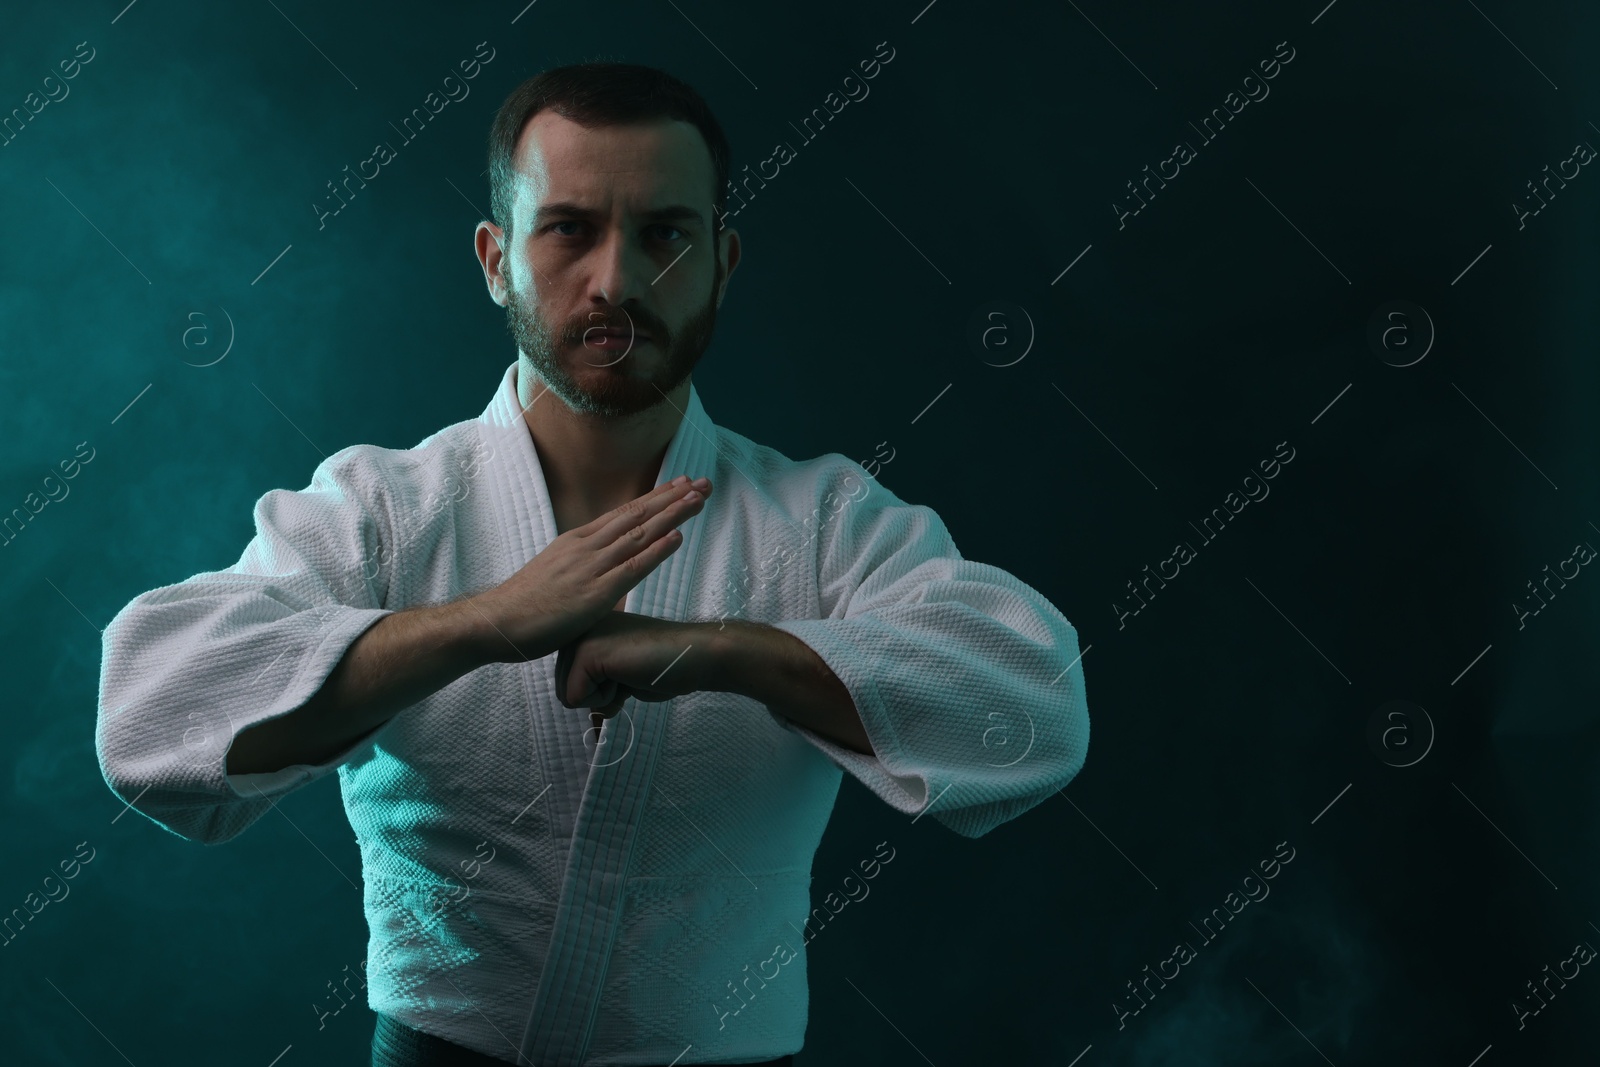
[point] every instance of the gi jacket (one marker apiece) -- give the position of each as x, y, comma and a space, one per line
601, 903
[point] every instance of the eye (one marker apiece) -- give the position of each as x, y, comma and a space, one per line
661, 230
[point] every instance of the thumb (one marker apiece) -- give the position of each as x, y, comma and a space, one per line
599, 697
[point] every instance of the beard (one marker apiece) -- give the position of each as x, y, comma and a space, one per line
602, 382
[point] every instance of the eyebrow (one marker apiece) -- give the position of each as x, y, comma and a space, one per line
566, 209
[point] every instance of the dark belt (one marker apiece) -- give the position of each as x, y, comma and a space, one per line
394, 1044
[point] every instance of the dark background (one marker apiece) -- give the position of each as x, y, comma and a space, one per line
1229, 715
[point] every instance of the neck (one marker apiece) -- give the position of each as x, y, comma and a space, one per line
594, 462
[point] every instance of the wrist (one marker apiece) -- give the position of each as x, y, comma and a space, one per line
755, 660
725, 668
475, 634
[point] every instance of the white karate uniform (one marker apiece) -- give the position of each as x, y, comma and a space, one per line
610, 903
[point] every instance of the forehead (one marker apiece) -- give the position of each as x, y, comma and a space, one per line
663, 160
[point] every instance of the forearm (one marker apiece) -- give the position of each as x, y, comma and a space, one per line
784, 673
400, 660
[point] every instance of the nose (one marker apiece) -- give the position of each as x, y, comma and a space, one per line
620, 275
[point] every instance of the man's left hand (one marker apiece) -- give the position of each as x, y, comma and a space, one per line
629, 655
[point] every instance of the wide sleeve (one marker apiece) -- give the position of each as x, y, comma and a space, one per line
185, 668
967, 680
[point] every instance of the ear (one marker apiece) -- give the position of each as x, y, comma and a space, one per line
729, 240
489, 243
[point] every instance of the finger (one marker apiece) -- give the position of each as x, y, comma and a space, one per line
633, 568
663, 494
640, 525
597, 697
648, 534
639, 522
563, 668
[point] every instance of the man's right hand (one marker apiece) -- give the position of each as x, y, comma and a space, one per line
579, 577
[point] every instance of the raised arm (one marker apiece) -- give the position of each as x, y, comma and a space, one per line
186, 667
404, 658
966, 680
231, 688
412, 654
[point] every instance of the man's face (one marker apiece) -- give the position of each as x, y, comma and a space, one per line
601, 295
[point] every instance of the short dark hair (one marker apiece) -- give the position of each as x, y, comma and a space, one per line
600, 94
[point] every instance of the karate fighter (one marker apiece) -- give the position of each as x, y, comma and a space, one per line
590, 667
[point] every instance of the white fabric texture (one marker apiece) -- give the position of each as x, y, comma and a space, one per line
632, 890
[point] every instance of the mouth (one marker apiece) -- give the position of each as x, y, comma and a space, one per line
613, 340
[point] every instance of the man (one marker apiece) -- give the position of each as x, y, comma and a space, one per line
542, 888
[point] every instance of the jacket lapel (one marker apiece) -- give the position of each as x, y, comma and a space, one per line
604, 812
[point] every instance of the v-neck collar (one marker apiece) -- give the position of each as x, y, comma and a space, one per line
692, 451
